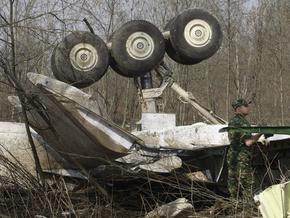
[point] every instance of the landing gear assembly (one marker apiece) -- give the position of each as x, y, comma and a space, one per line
136, 48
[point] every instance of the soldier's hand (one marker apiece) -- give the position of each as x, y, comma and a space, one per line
265, 141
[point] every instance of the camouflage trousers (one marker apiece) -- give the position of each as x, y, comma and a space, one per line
240, 174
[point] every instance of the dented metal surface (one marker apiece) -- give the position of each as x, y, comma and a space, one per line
73, 126
191, 137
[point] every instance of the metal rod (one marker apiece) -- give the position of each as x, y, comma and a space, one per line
89, 26
190, 99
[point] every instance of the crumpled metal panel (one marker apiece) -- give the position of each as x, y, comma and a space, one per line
274, 202
72, 123
192, 137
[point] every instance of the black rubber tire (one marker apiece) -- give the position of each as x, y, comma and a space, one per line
186, 51
63, 69
128, 66
116, 68
173, 54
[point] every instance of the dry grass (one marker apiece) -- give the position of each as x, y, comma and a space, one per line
22, 195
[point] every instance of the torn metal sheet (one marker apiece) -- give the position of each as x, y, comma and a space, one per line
69, 92
72, 125
274, 202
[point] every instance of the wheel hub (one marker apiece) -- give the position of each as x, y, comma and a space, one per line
197, 33
140, 45
83, 57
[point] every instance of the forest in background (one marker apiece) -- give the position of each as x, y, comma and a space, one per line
253, 61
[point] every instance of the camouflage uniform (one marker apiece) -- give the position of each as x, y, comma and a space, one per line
240, 178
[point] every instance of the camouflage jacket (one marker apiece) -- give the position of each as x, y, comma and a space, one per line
237, 140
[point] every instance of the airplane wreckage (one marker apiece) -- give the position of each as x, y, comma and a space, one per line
73, 134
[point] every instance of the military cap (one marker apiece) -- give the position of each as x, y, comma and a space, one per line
240, 102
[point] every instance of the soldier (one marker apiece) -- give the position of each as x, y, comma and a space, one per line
240, 172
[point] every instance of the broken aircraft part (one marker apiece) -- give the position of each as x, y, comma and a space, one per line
274, 202
91, 139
